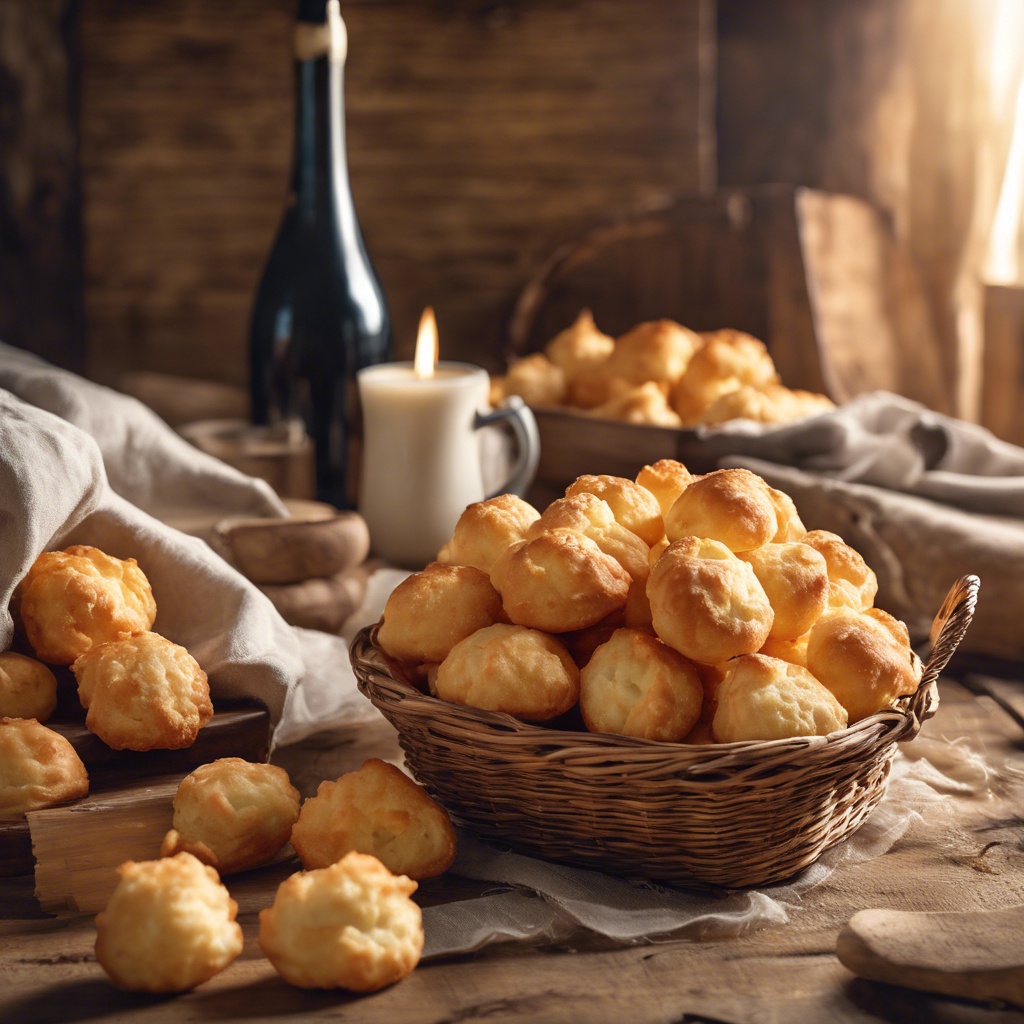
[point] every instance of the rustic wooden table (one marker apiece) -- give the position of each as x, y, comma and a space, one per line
788, 974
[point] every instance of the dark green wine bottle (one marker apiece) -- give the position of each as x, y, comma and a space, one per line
320, 313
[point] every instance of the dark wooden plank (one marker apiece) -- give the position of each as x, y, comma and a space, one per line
479, 136
40, 226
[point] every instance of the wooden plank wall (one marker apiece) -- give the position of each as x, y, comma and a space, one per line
481, 135
40, 233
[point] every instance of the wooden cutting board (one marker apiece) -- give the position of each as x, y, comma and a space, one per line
237, 729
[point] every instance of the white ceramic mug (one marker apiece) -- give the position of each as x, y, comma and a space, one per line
421, 454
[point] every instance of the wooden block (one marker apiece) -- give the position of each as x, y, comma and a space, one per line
976, 954
237, 729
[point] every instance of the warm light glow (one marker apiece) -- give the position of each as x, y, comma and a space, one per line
426, 345
338, 32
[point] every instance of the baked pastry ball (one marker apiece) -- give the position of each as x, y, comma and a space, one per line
707, 603
582, 643
536, 380
521, 671
143, 693
428, 613
168, 926
559, 581
791, 526
635, 685
632, 505
232, 814
795, 578
28, 688
645, 403
658, 550
38, 768
846, 569
592, 516
580, 348
75, 599
744, 403
865, 660
794, 651
767, 699
666, 479
733, 506
725, 361
485, 529
351, 925
658, 350
595, 387
377, 810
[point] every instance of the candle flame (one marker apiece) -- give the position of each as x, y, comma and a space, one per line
426, 345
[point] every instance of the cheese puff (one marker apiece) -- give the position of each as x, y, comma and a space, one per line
536, 380
767, 699
377, 810
632, 505
658, 350
75, 599
733, 506
28, 689
38, 768
707, 603
580, 348
666, 479
795, 578
645, 403
486, 529
846, 569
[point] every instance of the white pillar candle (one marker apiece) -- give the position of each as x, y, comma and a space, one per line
421, 455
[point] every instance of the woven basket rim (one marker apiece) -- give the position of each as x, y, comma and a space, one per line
902, 722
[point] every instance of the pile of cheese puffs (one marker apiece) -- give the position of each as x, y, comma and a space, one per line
346, 921
658, 373
679, 608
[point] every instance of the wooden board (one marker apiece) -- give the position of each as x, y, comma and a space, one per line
783, 975
237, 729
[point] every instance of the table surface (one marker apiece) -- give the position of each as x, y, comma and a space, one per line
787, 974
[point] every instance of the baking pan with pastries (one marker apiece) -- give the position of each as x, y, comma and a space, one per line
667, 676
658, 390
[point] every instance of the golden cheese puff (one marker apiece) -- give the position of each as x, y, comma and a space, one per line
767, 699
580, 348
377, 810
645, 403
632, 505
75, 599
795, 578
428, 613
496, 392
351, 925
28, 689
658, 550
794, 651
791, 527
843, 597
733, 506
143, 693
486, 529
232, 814
168, 926
592, 516
725, 361
559, 581
743, 403
38, 768
521, 671
635, 685
658, 350
865, 661
637, 610
594, 388
846, 568
707, 603
666, 479
798, 405
536, 380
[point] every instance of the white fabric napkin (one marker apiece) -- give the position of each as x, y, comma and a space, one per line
82, 464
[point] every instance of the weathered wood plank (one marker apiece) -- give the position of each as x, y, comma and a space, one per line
479, 135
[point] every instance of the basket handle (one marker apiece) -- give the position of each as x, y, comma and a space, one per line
948, 630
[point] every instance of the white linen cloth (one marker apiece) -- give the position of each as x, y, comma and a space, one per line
82, 464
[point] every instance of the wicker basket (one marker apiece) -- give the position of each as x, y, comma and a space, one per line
730, 814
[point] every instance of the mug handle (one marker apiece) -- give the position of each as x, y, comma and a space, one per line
524, 426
